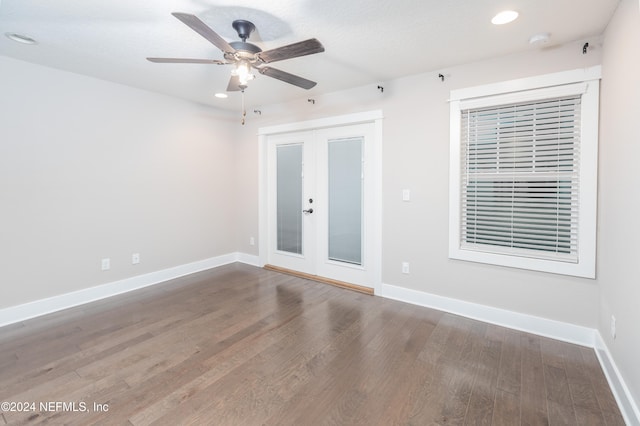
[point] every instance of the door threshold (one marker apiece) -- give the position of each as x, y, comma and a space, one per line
336, 283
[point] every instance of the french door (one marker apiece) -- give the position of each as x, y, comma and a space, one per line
321, 191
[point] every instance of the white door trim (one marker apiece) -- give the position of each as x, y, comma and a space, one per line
356, 118
339, 120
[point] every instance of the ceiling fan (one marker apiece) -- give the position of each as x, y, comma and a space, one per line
246, 56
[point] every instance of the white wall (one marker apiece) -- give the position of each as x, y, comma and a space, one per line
415, 156
91, 169
619, 203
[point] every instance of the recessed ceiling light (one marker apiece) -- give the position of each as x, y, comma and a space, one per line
504, 17
221, 95
20, 38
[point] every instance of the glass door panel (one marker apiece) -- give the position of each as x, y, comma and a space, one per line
345, 200
289, 193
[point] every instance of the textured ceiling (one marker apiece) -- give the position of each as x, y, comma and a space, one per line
366, 41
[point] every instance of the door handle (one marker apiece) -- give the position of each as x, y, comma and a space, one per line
307, 211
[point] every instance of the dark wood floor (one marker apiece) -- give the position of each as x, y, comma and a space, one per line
239, 345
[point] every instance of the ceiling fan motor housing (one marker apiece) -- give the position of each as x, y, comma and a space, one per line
244, 51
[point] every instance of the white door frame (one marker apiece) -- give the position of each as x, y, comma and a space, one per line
374, 117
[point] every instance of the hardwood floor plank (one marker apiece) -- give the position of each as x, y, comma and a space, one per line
580, 385
552, 352
483, 393
389, 385
506, 411
510, 375
586, 417
429, 404
557, 386
613, 419
591, 368
560, 414
533, 396
465, 370
239, 345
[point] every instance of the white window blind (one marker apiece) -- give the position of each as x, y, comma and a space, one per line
520, 178
523, 170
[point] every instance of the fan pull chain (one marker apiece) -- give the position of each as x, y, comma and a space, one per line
244, 111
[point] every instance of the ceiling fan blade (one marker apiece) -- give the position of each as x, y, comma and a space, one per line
234, 84
287, 78
203, 29
294, 50
186, 61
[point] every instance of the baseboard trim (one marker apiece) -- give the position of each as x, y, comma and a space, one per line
531, 324
248, 259
14, 314
625, 401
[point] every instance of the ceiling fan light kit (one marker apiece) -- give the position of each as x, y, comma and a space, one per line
243, 72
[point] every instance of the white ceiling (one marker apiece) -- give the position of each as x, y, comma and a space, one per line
366, 41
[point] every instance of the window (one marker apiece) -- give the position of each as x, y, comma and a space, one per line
523, 173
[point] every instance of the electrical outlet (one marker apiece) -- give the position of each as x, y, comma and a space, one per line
405, 267
406, 195
106, 264
252, 241
613, 326
135, 258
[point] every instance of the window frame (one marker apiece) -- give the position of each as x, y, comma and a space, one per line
582, 81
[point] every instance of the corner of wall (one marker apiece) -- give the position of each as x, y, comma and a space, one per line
621, 392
